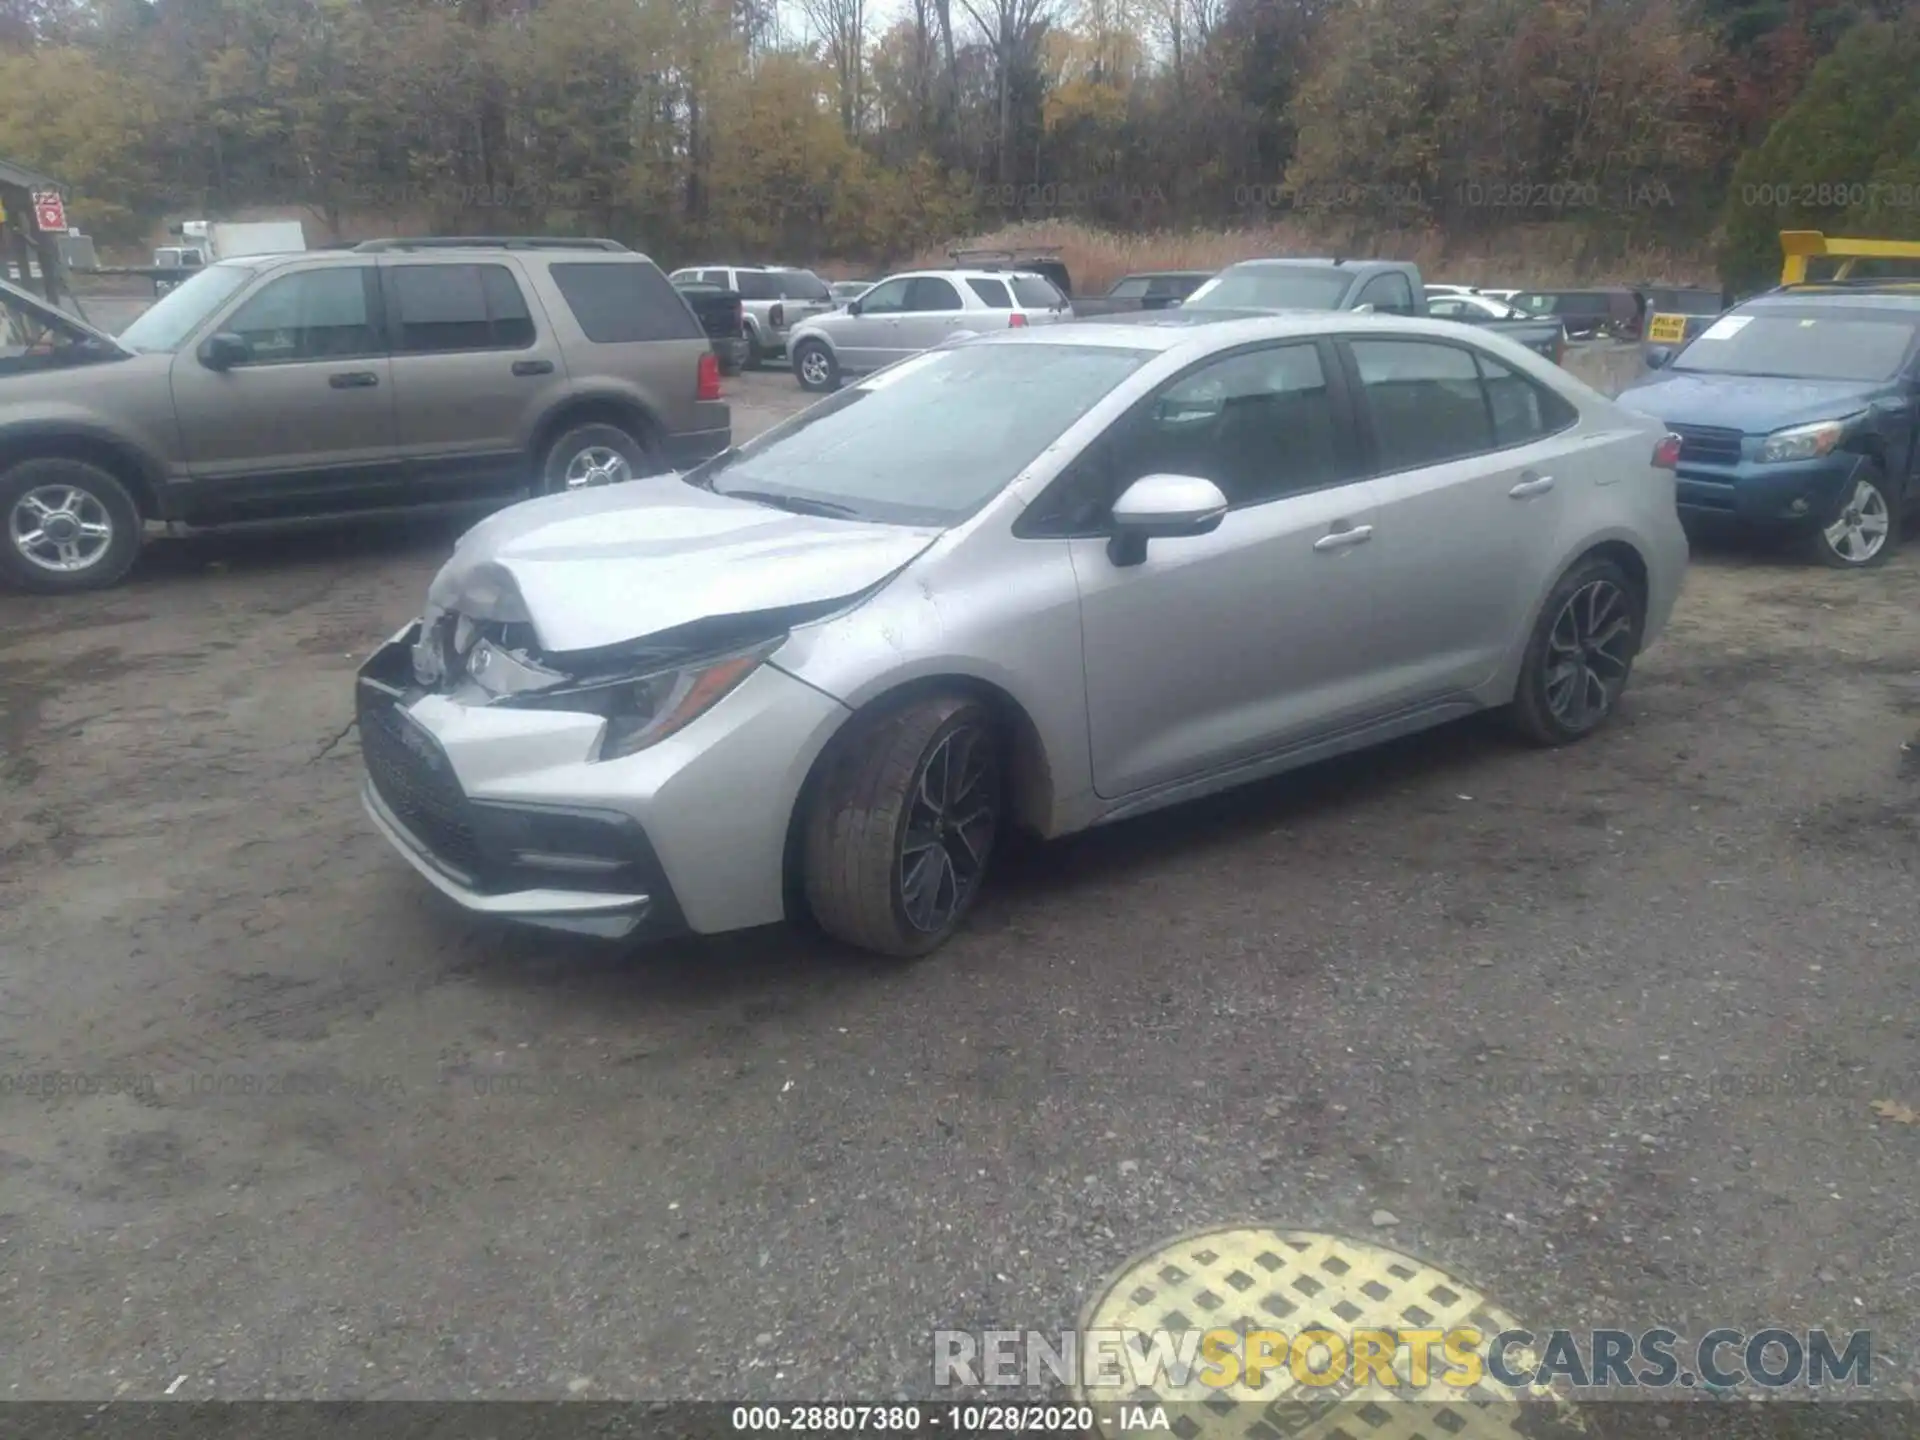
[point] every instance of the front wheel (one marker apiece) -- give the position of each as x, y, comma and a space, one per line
1867, 528
590, 455
815, 367
70, 526
1580, 654
903, 827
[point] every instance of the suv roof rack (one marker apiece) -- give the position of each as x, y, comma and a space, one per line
1024, 252
490, 242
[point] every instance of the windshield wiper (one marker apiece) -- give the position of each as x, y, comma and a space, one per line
795, 503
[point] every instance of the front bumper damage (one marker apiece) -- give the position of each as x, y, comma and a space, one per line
505, 812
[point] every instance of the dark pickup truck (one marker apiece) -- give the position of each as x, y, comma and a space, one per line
1382, 286
1149, 290
721, 315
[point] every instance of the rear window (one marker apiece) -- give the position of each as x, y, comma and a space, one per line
619, 302
1033, 293
991, 292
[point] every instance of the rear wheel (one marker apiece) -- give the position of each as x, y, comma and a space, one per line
1867, 528
756, 356
903, 827
1580, 655
69, 525
815, 367
595, 454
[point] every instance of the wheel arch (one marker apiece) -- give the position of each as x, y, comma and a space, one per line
1029, 770
142, 475
1615, 547
598, 408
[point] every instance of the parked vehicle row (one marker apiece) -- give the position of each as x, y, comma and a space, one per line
1055, 576
774, 299
397, 374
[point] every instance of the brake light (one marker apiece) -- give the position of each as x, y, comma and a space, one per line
1666, 455
709, 377
1016, 320
1560, 346
777, 317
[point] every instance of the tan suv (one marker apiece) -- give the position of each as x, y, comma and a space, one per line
397, 374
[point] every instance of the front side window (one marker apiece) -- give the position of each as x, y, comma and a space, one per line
927, 441
1425, 402
889, 297
931, 294
311, 315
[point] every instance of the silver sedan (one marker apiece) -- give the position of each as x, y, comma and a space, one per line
1049, 579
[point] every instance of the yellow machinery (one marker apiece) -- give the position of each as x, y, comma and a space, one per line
1800, 246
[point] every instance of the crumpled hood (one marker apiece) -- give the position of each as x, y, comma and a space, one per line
601, 566
1751, 404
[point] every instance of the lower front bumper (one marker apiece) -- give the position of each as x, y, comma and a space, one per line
1799, 496
607, 916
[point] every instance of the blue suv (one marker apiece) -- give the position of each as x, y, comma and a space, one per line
1798, 412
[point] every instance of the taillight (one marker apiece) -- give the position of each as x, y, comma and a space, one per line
777, 317
1666, 455
709, 377
739, 317
1560, 346
1016, 320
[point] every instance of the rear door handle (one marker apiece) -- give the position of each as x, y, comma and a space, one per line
533, 367
354, 380
1343, 539
1531, 485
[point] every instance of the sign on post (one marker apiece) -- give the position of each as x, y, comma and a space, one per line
49, 212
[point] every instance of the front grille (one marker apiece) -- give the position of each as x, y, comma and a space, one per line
1704, 445
416, 780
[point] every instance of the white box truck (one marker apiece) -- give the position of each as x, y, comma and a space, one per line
204, 241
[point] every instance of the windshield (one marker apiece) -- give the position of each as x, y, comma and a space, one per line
1800, 346
1272, 289
930, 440
178, 313
803, 285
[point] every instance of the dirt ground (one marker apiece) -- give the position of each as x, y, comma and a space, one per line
1601, 1029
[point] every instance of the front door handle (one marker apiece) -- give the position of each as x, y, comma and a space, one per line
533, 367
354, 380
1531, 485
1343, 539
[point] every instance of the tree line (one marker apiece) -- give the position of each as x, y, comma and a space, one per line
707, 127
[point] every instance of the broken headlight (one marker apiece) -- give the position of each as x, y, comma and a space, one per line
642, 710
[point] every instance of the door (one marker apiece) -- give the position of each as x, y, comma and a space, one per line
934, 311
1221, 648
472, 373
868, 340
1472, 484
308, 417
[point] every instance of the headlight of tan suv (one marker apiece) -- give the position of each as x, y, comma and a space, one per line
642, 710
1803, 442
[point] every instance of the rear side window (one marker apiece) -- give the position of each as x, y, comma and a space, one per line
621, 302
930, 294
1033, 293
758, 285
1425, 401
802, 285
1390, 294
991, 292
441, 308
1522, 410
1133, 288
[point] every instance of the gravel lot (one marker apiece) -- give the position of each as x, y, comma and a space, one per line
1600, 1028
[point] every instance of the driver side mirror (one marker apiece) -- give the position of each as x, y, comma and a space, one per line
224, 351
1162, 507
1659, 356
853, 307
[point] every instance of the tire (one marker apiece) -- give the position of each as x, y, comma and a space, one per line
1554, 706
595, 454
756, 357
815, 367
870, 833
88, 503
1866, 531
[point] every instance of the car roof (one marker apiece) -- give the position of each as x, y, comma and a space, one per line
1169, 330
444, 254
1884, 295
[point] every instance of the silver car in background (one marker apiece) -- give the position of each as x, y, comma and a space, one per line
1046, 578
905, 314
